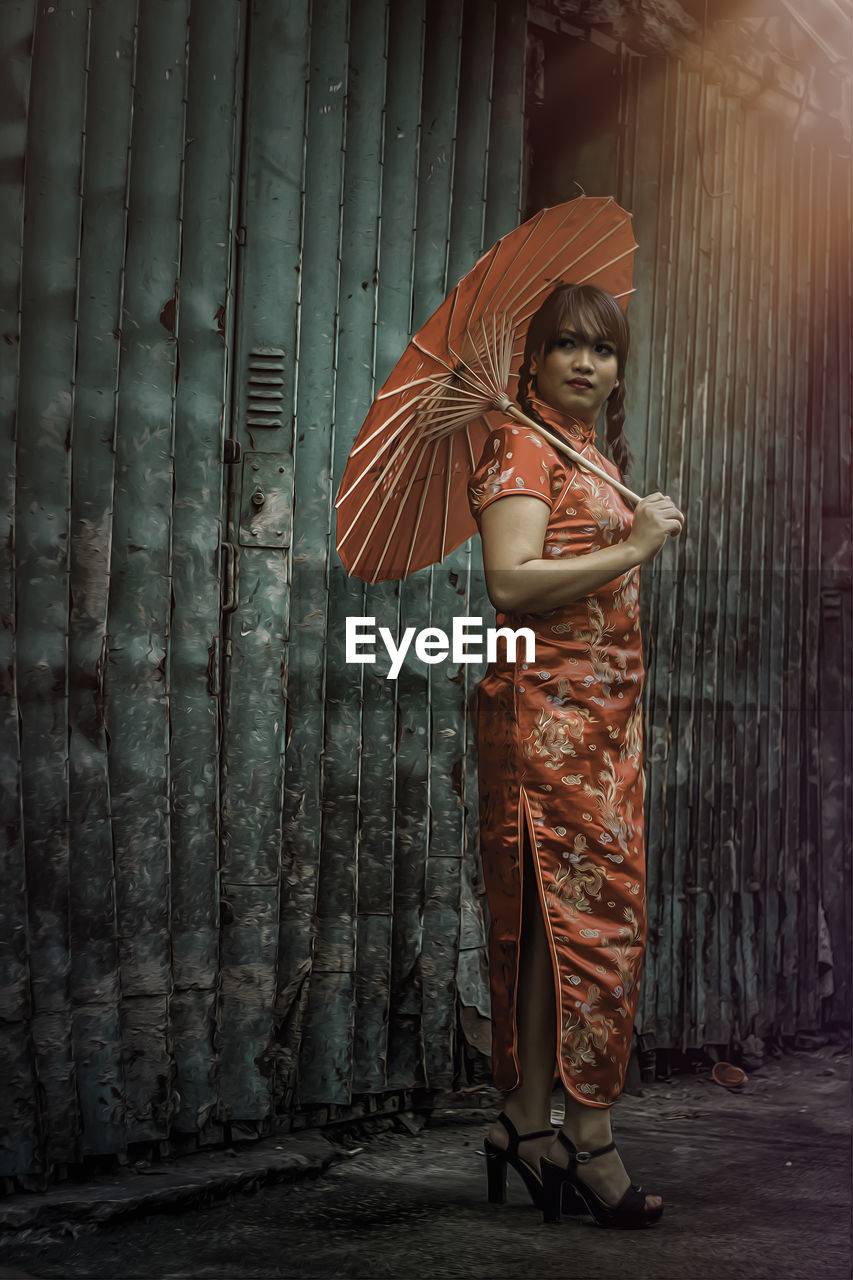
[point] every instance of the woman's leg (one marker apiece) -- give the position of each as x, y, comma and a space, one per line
529, 1105
589, 1128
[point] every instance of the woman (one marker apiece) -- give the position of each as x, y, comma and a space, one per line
560, 763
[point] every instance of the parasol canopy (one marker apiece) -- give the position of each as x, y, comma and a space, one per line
402, 503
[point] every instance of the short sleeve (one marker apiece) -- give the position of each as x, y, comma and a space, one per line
514, 460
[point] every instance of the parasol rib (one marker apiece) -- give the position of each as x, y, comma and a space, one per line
401, 504
534, 269
424, 492
510, 408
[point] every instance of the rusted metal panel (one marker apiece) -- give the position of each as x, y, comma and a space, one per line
43, 482
506, 125
732, 619
254, 727
204, 330
92, 905
355, 811
137, 706
315, 407
384, 701
19, 1103
344, 1053
408, 764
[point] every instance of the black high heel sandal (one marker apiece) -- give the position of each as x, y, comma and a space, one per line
630, 1212
497, 1160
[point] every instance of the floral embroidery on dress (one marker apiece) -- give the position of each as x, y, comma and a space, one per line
577, 881
607, 798
627, 594
586, 1031
627, 953
607, 663
554, 735
631, 747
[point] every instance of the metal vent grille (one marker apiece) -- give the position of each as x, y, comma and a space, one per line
266, 383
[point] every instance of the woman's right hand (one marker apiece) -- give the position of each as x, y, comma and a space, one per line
656, 518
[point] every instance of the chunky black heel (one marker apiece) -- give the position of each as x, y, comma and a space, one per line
496, 1174
630, 1212
497, 1160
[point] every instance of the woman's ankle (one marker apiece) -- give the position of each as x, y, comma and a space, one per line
528, 1117
587, 1127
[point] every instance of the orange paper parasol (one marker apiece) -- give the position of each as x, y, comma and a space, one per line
402, 503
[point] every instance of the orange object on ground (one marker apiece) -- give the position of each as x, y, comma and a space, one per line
728, 1075
561, 750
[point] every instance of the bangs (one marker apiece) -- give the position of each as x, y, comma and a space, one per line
590, 313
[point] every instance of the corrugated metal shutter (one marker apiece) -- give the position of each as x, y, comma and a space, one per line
211, 894
409, 152
111, 952
738, 407
241, 876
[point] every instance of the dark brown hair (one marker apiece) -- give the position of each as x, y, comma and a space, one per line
593, 314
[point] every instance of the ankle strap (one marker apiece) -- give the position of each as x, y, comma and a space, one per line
515, 1137
581, 1157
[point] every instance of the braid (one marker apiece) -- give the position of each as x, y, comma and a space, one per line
614, 434
523, 394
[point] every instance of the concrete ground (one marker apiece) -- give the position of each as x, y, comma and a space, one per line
756, 1183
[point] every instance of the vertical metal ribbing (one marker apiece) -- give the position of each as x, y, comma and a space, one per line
664, 584
377, 795
646, 107
94, 928
778, 430
822, 332
19, 1112
352, 950
725, 441
137, 703
759, 579
468, 212
387, 714
689, 467
835, 680
440, 872
504, 180
43, 465
316, 932
707, 465
787, 428
255, 1056
746, 615
216, 30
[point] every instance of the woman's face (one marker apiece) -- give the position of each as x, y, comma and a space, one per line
577, 375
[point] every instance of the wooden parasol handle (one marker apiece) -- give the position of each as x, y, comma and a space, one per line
505, 405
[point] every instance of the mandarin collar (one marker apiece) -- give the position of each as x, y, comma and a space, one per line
567, 423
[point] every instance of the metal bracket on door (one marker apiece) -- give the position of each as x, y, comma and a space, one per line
266, 501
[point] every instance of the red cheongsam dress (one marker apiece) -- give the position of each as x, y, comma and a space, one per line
561, 750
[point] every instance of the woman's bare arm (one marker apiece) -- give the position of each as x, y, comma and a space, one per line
519, 580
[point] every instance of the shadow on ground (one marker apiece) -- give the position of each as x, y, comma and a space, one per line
756, 1184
